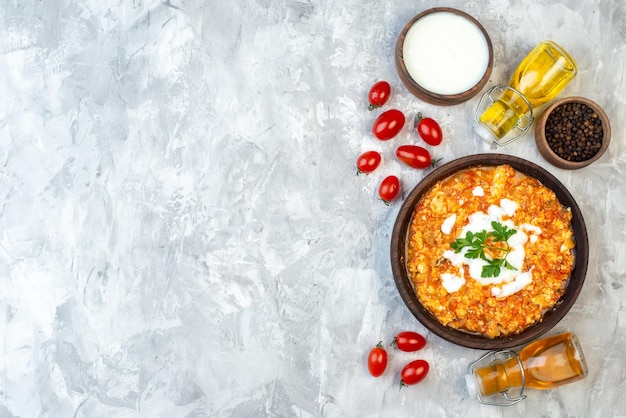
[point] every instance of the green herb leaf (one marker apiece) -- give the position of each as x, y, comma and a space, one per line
460, 243
508, 265
490, 271
475, 253
476, 242
501, 233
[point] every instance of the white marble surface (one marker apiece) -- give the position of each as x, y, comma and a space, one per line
182, 233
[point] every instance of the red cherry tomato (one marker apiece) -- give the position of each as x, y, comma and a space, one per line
388, 124
377, 360
414, 372
408, 341
389, 189
368, 162
429, 130
415, 156
379, 94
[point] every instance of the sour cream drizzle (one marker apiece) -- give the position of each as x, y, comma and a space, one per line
508, 281
447, 225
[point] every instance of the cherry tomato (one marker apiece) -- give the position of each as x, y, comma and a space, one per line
388, 124
377, 360
415, 156
414, 372
389, 189
368, 162
429, 130
408, 341
379, 94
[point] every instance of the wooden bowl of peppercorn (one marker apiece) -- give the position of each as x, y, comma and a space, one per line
572, 133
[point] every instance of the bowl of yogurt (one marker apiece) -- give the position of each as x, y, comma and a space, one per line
444, 56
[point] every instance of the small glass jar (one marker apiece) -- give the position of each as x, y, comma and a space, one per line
500, 377
505, 113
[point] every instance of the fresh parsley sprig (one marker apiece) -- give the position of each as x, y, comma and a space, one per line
478, 242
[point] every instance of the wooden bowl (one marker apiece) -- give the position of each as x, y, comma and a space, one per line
472, 340
546, 148
434, 97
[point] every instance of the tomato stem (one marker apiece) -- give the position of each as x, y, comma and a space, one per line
372, 106
417, 119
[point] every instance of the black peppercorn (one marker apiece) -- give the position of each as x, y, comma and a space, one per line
574, 132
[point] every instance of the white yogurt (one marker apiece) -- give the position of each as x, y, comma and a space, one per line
478, 191
451, 282
448, 223
509, 281
445, 53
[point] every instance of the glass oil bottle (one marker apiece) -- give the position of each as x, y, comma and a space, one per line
539, 78
500, 377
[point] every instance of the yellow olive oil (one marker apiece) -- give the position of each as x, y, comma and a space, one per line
505, 113
544, 73
539, 78
547, 363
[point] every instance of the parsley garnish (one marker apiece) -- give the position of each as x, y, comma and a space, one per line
478, 242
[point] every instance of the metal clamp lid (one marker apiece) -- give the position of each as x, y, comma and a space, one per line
522, 126
504, 398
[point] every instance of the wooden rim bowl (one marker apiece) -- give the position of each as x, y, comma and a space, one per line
552, 157
551, 317
429, 96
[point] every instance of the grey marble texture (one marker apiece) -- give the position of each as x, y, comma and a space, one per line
182, 233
